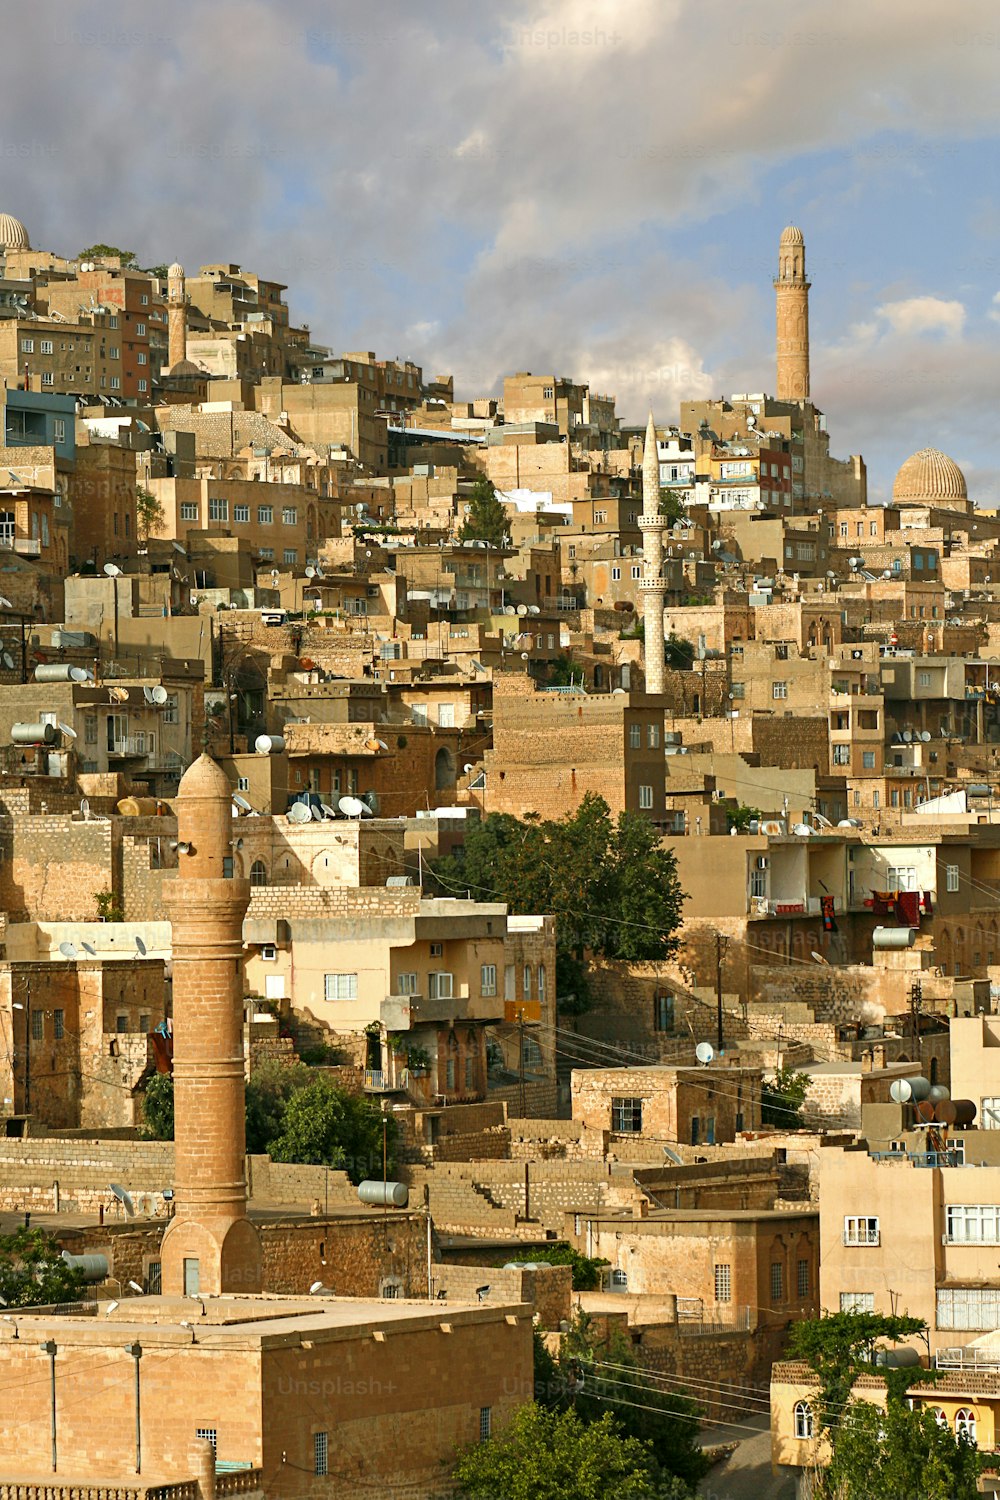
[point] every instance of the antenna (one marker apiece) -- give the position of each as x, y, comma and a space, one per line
704, 1052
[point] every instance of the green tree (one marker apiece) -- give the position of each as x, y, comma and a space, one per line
149, 513
586, 1269
671, 505
160, 270
782, 1098
838, 1347
487, 519
101, 252
898, 1453
550, 1388
158, 1108
615, 1381
611, 886
553, 1455
318, 1124
33, 1272
268, 1091
741, 816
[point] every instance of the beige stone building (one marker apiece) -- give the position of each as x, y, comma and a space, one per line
691, 1106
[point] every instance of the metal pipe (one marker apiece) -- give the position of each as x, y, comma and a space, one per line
49, 1348
136, 1352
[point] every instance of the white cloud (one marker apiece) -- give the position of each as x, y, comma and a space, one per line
915, 315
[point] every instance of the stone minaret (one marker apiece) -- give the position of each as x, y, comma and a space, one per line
653, 585
792, 306
209, 1245
176, 316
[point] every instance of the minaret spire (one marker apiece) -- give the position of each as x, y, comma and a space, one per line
791, 291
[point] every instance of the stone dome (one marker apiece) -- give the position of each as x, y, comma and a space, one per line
792, 236
13, 235
175, 271
204, 778
928, 476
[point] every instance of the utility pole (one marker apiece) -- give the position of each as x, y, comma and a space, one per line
520, 1060
721, 944
916, 995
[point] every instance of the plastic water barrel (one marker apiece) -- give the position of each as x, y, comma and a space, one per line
384, 1194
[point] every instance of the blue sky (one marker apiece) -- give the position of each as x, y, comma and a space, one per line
594, 187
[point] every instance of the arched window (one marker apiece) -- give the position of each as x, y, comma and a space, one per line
939, 1416
803, 1419
965, 1423
258, 873
541, 983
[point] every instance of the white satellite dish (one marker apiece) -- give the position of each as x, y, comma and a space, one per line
316, 813
522, 609
8, 660
67, 731
310, 572
820, 821
122, 1196
147, 693
925, 736
327, 810
771, 827
112, 570
140, 946
907, 736
819, 957
801, 830
88, 948
353, 807
241, 802
534, 609
467, 768
68, 950
160, 695
5, 603
509, 609
704, 1052
299, 813
79, 674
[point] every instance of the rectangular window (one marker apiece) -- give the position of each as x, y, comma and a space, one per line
48, 378
626, 1116
436, 950
189, 510
488, 979
27, 346
663, 1012
842, 755
449, 1072
90, 729
645, 797
141, 357
973, 1224
440, 985
758, 884
777, 1282
802, 1278
636, 570
968, 1307
114, 352
470, 1074
37, 1025
290, 515
211, 1433
855, 1302
218, 509
635, 736
989, 1114
290, 555
951, 877
738, 689
860, 1229
779, 689
143, 385
616, 573
140, 330
406, 984
265, 515
45, 347
868, 760
58, 1019
241, 513
652, 736
340, 986
485, 1423
902, 877
321, 1452
723, 1284
171, 715
266, 554
58, 429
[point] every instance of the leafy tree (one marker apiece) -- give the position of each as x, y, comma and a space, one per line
741, 816
33, 1272
678, 653
611, 886
487, 519
149, 513
663, 1420
838, 1347
158, 1108
160, 270
321, 1125
565, 670
267, 1093
586, 1269
550, 1388
106, 252
899, 1453
782, 1098
671, 505
554, 1455
108, 907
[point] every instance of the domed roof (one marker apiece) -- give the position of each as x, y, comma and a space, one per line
175, 270
792, 236
13, 235
929, 475
204, 778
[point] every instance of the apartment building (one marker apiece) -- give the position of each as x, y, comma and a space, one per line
133, 298
284, 524
78, 357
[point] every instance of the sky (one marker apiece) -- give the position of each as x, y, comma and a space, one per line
590, 188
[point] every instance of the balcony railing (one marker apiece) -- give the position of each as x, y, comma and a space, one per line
131, 744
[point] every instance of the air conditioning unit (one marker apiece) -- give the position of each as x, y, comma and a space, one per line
762, 862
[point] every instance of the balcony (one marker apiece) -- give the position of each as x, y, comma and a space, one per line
129, 745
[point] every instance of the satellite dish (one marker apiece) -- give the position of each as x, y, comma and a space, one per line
67, 731
160, 695
140, 946
925, 735
327, 810
147, 693
88, 948
534, 609
467, 768
315, 813
522, 609
310, 572
241, 802
382, 744
122, 1196
353, 807
79, 674
819, 821
819, 957
112, 570
68, 950
5, 603
8, 660
509, 609
84, 808
704, 1052
801, 830
907, 736
299, 813
772, 828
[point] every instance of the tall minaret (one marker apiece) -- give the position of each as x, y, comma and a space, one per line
209, 1245
176, 316
653, 585
792, 306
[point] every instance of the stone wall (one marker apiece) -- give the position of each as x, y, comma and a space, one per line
548, 1288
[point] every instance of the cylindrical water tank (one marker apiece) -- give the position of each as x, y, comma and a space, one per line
33, 734
938, 1092
893, 937
955, 1112
909, 1090
384, 1194
923, 1111
268, 744
94, 1267
897, 1359
54, 671
138, 807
